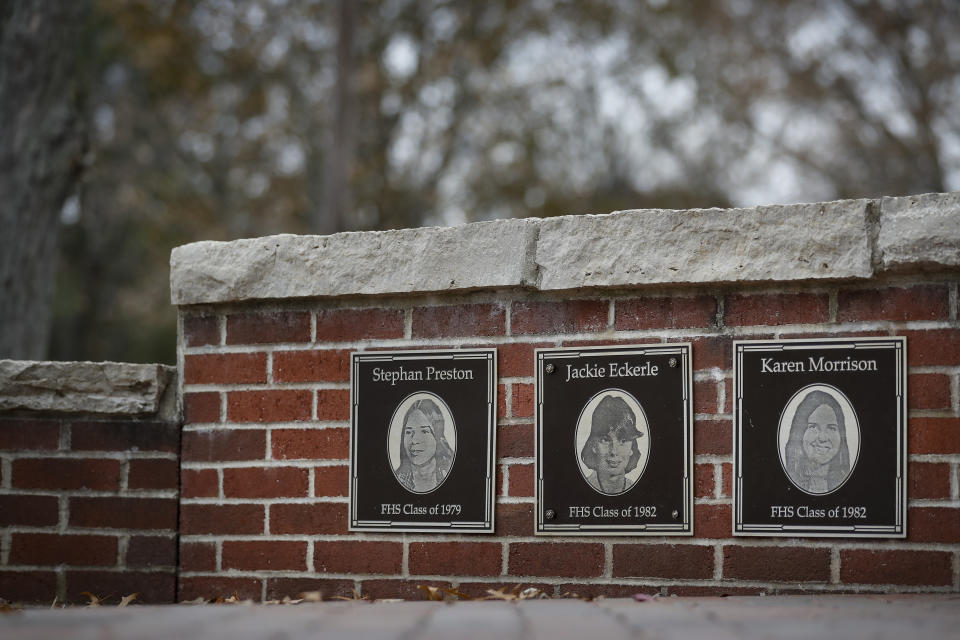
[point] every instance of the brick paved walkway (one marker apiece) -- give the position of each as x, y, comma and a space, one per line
824, 616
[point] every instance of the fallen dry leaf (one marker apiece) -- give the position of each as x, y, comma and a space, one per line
125, 600
311, 596
94, 600
234, 599
499, 594
6, 607
286, 600
433, 593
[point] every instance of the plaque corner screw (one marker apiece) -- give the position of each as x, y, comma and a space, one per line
673, 362
550, 514
675, 514
551, 368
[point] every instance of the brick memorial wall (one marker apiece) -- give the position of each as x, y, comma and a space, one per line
89, 458
232, 473
267, 327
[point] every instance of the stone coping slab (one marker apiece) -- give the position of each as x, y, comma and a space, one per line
741, 618
115, 388
839, 240
920, 231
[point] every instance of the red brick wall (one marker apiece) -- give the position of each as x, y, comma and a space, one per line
265, 446
87, 505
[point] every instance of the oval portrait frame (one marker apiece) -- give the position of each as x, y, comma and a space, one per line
395, 434
582, 434
851, 431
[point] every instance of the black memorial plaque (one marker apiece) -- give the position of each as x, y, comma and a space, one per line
614, 449
820, 437
422, 440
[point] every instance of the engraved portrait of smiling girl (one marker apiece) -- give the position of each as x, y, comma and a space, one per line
425, 455
817, 453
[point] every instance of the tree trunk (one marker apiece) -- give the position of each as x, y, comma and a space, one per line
42, 145
336, 198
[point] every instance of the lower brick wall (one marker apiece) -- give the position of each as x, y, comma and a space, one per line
265, 445
88, 504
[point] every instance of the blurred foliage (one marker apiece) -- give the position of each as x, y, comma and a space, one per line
216, 119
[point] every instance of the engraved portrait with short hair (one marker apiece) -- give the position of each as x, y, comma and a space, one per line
611, 445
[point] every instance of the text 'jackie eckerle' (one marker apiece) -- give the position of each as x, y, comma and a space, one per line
767, 365
613, 370
419, 375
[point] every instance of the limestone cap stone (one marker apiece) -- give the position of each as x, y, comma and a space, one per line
468, 257
920, 231
88, 387
653, 246
838, 240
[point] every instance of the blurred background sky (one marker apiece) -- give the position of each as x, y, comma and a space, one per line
217, 119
